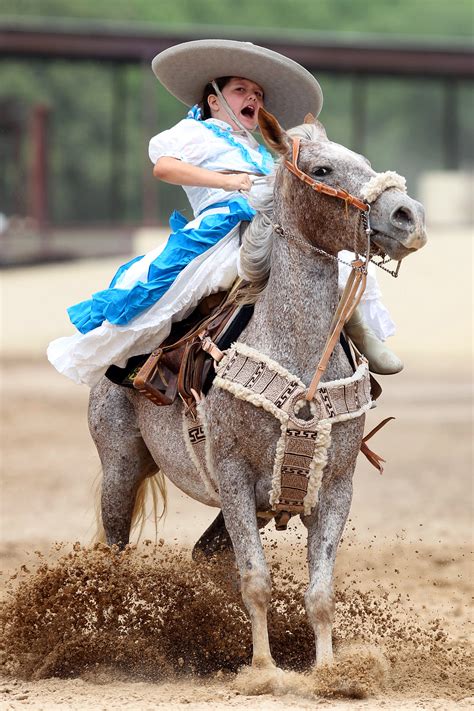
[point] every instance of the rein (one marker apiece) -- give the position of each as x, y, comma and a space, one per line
356, 283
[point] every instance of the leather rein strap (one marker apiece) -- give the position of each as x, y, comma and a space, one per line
351, 296
357, 280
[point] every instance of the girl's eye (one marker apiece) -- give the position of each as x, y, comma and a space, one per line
321, 172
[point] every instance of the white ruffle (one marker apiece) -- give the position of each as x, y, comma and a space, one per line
85, 357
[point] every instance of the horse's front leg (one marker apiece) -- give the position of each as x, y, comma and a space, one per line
325, 526
237, 491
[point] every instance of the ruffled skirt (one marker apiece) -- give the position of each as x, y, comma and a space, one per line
135, 314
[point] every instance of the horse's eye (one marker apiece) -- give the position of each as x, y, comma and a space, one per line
321, 172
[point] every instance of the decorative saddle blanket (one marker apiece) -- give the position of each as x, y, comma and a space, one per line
302, 449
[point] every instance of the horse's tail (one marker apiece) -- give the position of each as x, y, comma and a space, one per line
152, 486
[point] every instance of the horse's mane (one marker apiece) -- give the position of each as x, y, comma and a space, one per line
256, 250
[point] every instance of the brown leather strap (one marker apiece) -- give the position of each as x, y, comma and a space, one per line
318, 186
357, 280
350, 298
375, 459
376, 429
346, 293
203, 326
210, 347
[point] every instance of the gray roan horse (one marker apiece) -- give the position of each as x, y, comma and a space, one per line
291, 321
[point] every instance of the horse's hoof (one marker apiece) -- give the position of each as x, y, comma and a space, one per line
258, 680
357, 672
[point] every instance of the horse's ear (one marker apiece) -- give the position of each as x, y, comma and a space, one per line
309, 118
272, 132
320, 134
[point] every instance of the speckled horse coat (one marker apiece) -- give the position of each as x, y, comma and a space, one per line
290, 324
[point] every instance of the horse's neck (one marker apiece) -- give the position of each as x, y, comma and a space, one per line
293, 317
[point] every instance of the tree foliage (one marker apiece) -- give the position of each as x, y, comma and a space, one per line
403, 17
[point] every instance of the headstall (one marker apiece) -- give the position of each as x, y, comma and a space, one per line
357, 280
322, 187
348, 199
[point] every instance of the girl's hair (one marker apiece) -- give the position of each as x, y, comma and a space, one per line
210, 91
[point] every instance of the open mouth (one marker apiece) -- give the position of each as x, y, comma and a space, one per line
375, 249
383, 245
249, 111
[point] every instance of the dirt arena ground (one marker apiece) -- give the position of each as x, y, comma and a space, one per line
404, 571
408, 539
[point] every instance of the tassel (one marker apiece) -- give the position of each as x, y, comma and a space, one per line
375, 459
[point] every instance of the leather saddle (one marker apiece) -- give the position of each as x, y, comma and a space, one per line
180, 366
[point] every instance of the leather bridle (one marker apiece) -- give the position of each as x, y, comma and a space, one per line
321, 187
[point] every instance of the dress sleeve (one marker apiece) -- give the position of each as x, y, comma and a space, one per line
186, 141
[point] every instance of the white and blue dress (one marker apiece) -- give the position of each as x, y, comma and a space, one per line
147, 294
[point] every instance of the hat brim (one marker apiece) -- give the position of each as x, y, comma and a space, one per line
290, 90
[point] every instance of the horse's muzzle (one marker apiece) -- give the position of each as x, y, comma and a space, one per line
398, 222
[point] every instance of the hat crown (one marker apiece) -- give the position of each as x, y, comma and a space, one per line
290, 90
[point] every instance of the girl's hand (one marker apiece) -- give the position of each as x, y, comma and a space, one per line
237, 181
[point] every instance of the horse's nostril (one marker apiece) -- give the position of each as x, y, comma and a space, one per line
403, 218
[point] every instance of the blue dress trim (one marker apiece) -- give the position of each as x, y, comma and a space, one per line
195, 113
266, 167
119, 306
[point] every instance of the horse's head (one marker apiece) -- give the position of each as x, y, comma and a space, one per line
397, 221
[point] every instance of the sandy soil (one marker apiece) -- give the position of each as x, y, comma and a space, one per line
406, 553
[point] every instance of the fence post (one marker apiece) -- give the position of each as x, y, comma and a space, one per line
38, 178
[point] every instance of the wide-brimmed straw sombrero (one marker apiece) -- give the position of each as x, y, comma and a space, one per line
290, 90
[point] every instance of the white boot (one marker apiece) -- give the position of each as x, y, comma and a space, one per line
381, 359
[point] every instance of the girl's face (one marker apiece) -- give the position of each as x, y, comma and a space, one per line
244, 97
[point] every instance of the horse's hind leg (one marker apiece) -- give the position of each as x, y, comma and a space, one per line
216, 539
325, 526
125, 459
